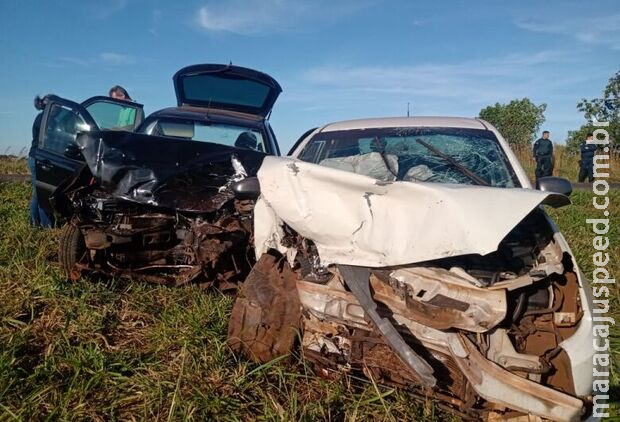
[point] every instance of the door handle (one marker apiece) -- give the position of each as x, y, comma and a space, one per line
45, 165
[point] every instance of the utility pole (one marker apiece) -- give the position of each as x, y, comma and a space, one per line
407, 108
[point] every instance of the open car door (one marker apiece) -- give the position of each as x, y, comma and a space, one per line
58, 156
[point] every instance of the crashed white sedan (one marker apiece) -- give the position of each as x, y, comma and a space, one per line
416, 252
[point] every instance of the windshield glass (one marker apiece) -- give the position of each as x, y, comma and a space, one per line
223, 134
441, 155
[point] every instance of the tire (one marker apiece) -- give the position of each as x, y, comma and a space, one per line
72, 250
266, 315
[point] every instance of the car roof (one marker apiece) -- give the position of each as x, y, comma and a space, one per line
417, 121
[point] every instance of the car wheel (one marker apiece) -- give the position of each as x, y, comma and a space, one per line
72, 250
266, 315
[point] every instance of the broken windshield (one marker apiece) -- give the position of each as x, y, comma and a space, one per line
440, 155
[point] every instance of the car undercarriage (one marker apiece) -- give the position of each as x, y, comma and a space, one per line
128, 240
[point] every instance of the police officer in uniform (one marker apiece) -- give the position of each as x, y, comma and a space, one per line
586, 163
543, 154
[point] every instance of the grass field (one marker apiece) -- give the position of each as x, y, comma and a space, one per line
13, 165
122, 350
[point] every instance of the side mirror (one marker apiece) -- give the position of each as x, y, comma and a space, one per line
72, 151
555, 185
248, 188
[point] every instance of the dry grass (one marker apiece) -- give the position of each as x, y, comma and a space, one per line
566, 164
13, 165
131, 351
121, 350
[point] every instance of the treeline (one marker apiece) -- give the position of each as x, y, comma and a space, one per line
519, 121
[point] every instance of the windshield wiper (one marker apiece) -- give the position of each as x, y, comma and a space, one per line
460, 167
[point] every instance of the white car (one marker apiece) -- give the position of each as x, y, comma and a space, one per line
415, 251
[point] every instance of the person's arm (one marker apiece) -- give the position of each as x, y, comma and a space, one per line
36, 127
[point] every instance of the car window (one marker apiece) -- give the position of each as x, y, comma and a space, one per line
110, 115
441, 155
226, 90
62, 126
223, 134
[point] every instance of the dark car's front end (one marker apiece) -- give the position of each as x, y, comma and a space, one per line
158, 204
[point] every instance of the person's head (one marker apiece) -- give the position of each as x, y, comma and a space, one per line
546, 134
589, 136
39, 102
119, 93
378, 144
246, 140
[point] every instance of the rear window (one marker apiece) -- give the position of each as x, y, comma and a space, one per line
223, 134
226, 90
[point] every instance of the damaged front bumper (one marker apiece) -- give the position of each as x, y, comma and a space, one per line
468, 293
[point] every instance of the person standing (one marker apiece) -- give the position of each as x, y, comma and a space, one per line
543, 154
586, 162
38, 216
127, 115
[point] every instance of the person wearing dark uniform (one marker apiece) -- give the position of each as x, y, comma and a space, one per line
587, 150
38, 216
543, 154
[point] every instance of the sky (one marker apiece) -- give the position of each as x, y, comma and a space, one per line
335, 59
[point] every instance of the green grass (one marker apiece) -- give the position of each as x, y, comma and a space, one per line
122, 350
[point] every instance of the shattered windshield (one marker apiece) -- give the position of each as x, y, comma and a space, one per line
440, 155
223, 134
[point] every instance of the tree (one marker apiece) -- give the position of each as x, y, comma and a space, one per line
576, 137
605, 109
518, 121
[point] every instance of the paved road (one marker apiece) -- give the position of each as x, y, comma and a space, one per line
26, 177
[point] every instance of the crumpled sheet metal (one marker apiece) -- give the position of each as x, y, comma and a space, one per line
358, 220
165, 172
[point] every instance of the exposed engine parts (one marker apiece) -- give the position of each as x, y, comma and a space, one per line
482, 334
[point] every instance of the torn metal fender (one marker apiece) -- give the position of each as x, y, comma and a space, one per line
499, 386
357, 278
357, 220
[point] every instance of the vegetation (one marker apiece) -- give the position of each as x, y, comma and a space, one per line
13, 165
518, 121
604, 109
566, 163
122, 350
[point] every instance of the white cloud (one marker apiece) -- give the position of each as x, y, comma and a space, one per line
115, 58
472, 81
259, 16
602, 30
156, 15
105, 9
105, 58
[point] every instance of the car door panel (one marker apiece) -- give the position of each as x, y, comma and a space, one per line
54, 160
58, 157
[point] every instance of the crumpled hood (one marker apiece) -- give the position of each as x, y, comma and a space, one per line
358, 220
165, 172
